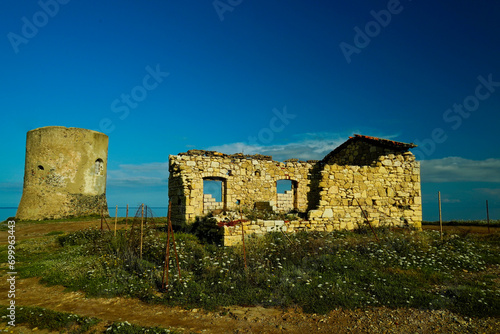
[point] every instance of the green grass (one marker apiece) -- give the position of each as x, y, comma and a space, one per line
110, 220
493, 223
4, 226
43, 221
316, 271
37, 317
64, 322
127, 328
54, 233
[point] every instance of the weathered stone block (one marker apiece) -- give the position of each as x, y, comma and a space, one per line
315, 213
328, 213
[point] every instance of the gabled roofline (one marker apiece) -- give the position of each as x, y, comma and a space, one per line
400, 146
384, 142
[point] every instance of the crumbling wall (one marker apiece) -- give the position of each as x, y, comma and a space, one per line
246, 179
210, 204
380, 182
285, 201
364, 177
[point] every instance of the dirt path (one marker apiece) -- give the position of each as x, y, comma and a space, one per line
30, 292
245, 319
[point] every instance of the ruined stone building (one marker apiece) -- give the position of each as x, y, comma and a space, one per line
364, 177
65, 173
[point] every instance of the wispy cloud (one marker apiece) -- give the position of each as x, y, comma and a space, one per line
280, 152
457, 169
129, 175
306, 146
493, 192
11, 186
451, 200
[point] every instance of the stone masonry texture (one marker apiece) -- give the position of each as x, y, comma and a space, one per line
245, 180
365, 177
65, 173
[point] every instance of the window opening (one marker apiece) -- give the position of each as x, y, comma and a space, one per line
286, 191
99, 167
214, 194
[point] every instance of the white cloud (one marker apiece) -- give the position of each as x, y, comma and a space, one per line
307, 150
152, 167
457, 169
493, 192
12, 186
307, 146
149, 174
451, 200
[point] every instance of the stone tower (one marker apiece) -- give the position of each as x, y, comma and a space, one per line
64, 173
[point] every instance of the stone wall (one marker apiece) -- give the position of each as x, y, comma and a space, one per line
65, 173
259, 227
210, 204
246, 179
378, 182
285, 201
363, 178
385, 194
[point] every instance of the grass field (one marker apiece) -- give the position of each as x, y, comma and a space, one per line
38, 318
315, 271
491, 223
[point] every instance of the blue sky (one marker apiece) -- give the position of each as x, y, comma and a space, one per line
292, 79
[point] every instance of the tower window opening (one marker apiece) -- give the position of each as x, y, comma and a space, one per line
99, 167
40, 167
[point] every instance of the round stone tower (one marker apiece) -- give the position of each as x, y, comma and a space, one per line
64, 173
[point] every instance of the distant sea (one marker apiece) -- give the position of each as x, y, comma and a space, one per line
6, 212
158, 211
